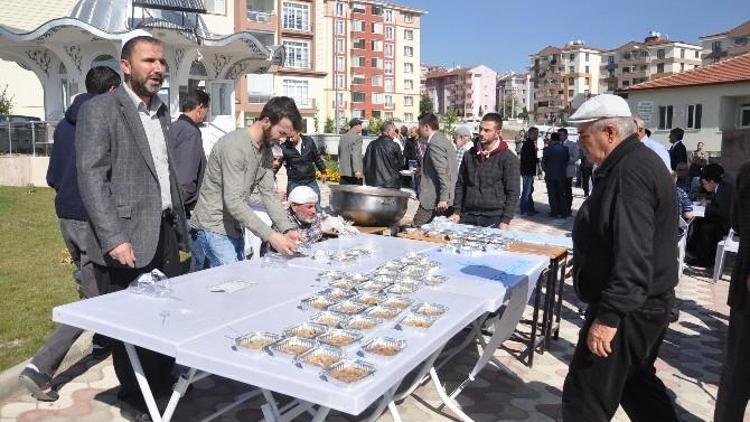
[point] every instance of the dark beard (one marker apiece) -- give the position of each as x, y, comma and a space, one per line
267, 141
140, 87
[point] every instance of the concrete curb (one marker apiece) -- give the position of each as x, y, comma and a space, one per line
9, 385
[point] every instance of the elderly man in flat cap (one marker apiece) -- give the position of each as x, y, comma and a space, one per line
625, 268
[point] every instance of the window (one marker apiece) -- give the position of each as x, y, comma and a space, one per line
644, 68
587, 69
358, 79
358, 43
389, 101
216, 6
358, 26
682, 67
409, 117
611, 59
358, 7
358, 97
408, 84
408, 51
389, 50
587, 56
339, 27
376, 63
694, 115
389, 33
408, 18
377, 98
339, 46
682, 53
340, 82
745, 116
388, 84
339, 63
377, 80
572, 57
661, 53
408, 68
339, 9
408, 34
259, 88
359, 114
388, 115
296, 16
571, 93
389, 68
697, 54
408, 101
377, 10
377, 45
358, 61
625, 83
376, 114
377, 28
571, 81
297, 54
340, 99
626, 69
388, 15
571, 69
297, 90
660, 68
716, 46
665, 117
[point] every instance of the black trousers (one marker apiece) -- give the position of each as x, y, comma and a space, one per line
157, 367
556, 195
350, 180
568, 204
596, 386
481, 220
734, 387
586, 180
705, 233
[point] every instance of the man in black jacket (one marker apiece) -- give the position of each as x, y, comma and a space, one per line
384, 160
529, 160
555, 163
677, 152
63, 178
735, 373
187, 144
487, 187
709, 230
625, 269
301, 157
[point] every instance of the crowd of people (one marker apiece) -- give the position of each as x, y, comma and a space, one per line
133, 189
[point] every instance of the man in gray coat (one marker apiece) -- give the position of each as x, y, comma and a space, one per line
570, 171
439, 172
350, 154
132, 197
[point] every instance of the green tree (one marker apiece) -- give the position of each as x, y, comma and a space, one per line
511, 107
524, 114
374, 126
6, 101
316, 123
449, 121
330, 127
426, 105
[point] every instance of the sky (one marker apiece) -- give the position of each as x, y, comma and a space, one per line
502, 33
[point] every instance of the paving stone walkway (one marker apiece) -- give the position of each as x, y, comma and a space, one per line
689, 364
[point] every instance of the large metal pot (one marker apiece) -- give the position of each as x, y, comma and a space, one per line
367, 205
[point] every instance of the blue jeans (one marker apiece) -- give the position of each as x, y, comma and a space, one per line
211, 250
527, 199
291, 184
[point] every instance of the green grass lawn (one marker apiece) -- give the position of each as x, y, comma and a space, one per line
34, 274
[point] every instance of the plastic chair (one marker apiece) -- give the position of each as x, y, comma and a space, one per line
731, 243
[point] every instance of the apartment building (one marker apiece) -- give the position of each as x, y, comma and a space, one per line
373, 60
730, 43
516, 86
562, 79
471, 91
343, 59
637, 62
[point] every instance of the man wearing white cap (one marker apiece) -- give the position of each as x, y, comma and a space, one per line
303, 214
625, 268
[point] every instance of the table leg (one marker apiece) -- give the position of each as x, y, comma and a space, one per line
238, 401
321, 414
148, 396
394, 412
558, 311
447, 401
179, 391
421, 376
535, 317
549, 301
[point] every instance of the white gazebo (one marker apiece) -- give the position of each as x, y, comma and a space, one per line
60, 41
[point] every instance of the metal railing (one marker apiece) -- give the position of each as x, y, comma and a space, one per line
261, 16
26, 138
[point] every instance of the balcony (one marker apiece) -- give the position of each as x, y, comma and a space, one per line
256, 98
